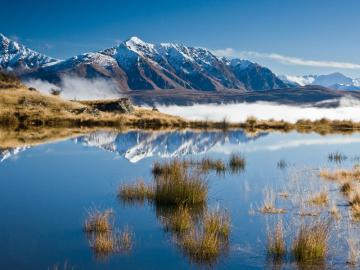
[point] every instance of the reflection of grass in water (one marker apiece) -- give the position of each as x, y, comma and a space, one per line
336, 157
237, 163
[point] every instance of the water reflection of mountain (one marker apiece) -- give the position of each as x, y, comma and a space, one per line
137, 145
6, 153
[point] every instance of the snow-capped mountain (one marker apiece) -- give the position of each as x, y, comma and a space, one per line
138, 65
137, 145
335, 80
17, 57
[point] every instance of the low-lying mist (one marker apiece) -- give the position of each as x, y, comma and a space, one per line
76, 88
348, 109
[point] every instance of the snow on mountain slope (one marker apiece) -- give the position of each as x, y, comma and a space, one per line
335, 80
138, 65
18, 58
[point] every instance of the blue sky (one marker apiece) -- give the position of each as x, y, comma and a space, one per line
289, 36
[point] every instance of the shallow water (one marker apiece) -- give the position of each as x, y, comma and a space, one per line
46, 190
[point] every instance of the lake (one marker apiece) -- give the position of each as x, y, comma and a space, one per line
46, 191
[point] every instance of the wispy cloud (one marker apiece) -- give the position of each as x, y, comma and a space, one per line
287, 60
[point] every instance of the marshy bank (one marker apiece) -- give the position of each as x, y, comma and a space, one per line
24, 108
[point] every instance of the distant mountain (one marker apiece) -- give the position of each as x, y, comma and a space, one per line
335, 80
17, 57
137, 65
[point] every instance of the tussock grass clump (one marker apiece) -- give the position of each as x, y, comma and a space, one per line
105, 243
207, 164
169, 167
205, 244
276, 247
321, 198
98, 222
217, 222
237, 163
178, 185
178, 221
138, 192
346, 188
269, 203
354, 251
355, 205
342, 175
310, 244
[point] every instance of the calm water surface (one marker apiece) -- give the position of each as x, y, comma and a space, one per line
46, 190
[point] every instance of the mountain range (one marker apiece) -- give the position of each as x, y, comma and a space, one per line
138, 65
335, 81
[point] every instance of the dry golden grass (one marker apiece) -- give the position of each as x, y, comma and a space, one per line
176, 184
268, 206
98, 221
311, 242
20, 106
321, 198
205, 244
342, 174
206, 164
276, 247
178, 220
135, 193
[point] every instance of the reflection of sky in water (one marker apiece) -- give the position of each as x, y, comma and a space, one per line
44, 195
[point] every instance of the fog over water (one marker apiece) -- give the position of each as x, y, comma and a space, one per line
348, 109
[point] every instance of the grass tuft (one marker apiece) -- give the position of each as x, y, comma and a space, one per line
237, 163
138, 192
276, 247
98, 222
178, 185
205, 244
321, 198
310, 244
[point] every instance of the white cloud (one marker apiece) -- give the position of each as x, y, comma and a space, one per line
238, 112
79, 88
287, 60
